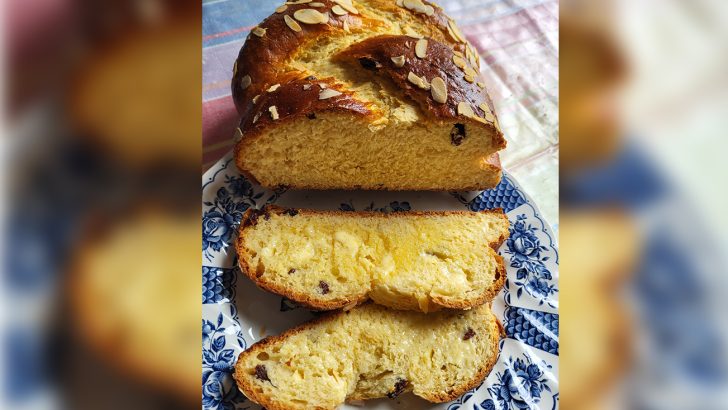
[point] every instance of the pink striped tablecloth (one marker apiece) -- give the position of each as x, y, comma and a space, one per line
517, 40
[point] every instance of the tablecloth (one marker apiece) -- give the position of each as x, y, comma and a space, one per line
517, 41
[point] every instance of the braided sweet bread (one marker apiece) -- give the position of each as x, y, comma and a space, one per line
370, 94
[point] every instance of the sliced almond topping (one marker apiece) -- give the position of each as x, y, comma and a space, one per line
489, 117
400, 3
346, 25
310, 16
292, 24
323, 86
259, 31
417, 6
347, 5
273, 112
255, 99
235, 68
306, 87
458, 61
238, 135
455, 31
469, 78
421, 48
298, 2
419, 82
470, 72
484, 107
273, 88
439, 90
411, 33
245, 82
481, 84
281, 9
399, 61
256, 118
465, 109
317, 4
338, 10
328, 93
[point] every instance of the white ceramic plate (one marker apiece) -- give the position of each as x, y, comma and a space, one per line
236, 314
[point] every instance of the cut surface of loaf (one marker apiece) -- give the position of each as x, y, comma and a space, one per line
413, 261
370, 352
373, 94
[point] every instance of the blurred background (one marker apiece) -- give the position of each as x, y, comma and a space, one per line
102, 152
643, 228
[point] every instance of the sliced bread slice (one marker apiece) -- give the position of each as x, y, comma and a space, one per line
370, 352
406, 260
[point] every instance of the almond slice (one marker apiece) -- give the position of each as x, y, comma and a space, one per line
255, 99
273, 112
293, 3
260, 32
292, 24
245, 82
421, 48
328, 93
281, 9
439, 90
273, 88
458, 61
306, 87
465, 109
339, 11
317, 4
346, 25
470, 72
481, 84
399, 61
310, 16
455, 31
238, 135
419, 82
347, 5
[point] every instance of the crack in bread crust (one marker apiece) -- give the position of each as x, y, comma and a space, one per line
280, 73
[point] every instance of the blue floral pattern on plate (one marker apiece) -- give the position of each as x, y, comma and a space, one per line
236, 313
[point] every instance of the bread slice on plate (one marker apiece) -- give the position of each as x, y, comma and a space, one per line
421, 261
375, 94
371, 352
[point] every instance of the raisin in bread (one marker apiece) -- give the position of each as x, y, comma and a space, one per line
413, 261
353, 355
372, 94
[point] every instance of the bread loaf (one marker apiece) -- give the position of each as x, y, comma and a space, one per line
371, 94
370, 352
414, 261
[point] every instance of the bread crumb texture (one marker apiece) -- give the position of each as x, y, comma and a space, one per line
371, 352
413, 261
399, 136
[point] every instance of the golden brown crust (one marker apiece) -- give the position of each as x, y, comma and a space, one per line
295, 98
264, 62
261, 57
309, 301
257, 396
376, 54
